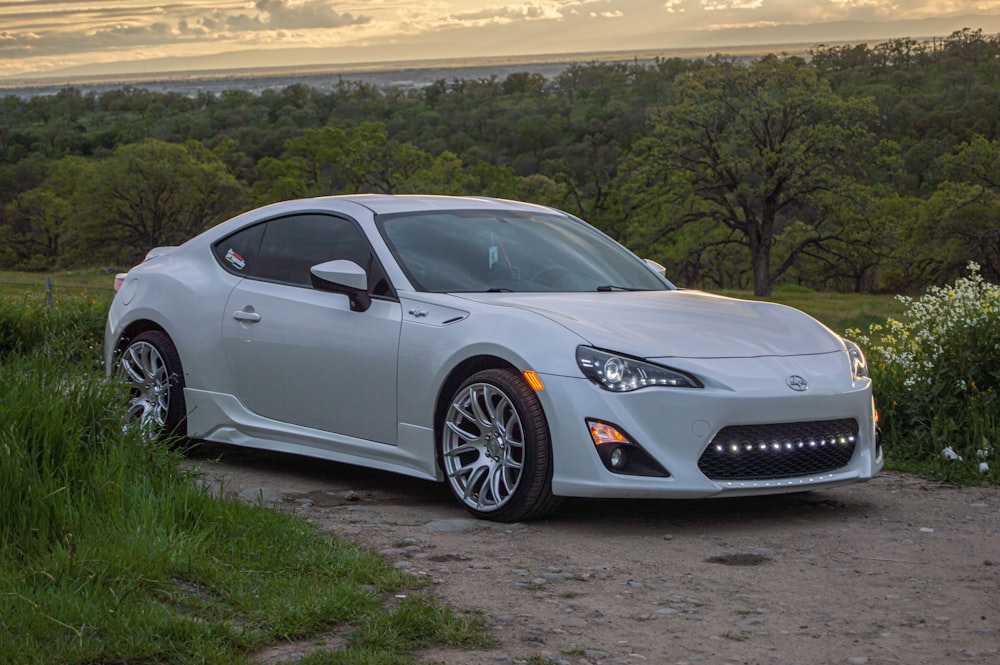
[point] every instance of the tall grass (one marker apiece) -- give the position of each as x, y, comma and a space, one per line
110, 552
72, 327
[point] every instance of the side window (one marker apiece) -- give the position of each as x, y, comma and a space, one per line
292, 245
238, 253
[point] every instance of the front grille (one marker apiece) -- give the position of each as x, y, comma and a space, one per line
782, 450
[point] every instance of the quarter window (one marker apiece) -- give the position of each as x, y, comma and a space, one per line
238, 253
284, 249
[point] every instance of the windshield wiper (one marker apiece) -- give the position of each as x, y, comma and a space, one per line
612, 287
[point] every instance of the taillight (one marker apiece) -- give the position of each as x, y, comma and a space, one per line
119, 280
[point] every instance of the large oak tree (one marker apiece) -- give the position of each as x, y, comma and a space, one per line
154, 193
752, 148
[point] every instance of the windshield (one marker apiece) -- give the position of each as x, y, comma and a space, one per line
494, 250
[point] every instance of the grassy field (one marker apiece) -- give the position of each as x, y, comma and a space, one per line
111, 553
69, 284
838, 311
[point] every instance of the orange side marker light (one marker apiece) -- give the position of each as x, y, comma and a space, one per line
533, 381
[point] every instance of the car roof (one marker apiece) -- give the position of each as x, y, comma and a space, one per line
376, 204
386, 204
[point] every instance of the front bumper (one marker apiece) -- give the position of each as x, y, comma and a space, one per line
676, 425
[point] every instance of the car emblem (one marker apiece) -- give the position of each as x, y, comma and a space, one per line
418, 311
797, 383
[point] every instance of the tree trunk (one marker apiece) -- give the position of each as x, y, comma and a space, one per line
760, 257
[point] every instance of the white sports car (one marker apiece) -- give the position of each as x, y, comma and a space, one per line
509, 349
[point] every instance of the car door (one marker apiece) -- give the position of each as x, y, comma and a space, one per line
300, 355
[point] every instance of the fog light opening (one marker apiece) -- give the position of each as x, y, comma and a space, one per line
620, 453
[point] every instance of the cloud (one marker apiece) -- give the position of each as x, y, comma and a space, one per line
316, 14
528, 11
49, 29
281, 15
722, 5
532, 10
44, 35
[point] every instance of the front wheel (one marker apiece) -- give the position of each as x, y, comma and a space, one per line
152, 367
495, 448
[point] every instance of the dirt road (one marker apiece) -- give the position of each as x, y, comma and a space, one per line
898, 570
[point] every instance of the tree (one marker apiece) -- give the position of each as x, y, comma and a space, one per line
862, 226
977, 161
37, 219
153, 193
970, 46
38, 222
319, 155
751, 148
960, 221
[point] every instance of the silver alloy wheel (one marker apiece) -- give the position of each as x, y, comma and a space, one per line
483, 447
149, 379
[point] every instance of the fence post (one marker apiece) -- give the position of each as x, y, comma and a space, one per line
48, 291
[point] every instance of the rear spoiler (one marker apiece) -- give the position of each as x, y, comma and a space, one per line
159, 251
151, 254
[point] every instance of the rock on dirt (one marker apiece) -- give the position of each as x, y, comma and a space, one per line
894, 571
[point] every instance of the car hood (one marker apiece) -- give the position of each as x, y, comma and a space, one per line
690, 324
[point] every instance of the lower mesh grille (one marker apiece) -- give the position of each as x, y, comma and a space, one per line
783, 450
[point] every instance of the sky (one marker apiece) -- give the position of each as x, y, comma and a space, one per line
82, 37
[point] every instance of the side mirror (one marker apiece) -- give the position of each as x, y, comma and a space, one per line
345, 277
655, 267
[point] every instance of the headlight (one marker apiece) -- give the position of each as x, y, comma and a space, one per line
620, 374
859, 366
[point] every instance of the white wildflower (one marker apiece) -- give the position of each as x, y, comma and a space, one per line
949, 453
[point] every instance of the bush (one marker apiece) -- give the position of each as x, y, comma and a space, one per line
937, 380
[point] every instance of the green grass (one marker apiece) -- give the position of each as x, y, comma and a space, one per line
838, 311
97, 284
110, 552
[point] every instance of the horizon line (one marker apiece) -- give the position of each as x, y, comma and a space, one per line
362, 67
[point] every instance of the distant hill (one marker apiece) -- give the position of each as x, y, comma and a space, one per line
405, 75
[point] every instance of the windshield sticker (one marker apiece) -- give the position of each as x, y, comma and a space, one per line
235, 259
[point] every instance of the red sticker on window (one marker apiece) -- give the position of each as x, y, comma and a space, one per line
235, 259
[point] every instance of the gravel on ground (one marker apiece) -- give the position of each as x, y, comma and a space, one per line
898, 570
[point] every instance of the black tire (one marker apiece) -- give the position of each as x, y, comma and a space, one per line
152, 367
495, 448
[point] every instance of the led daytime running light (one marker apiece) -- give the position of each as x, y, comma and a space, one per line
618, 373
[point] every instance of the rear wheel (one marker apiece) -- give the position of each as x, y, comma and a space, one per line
495, 448
152, 367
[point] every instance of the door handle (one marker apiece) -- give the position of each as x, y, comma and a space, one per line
247, 316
